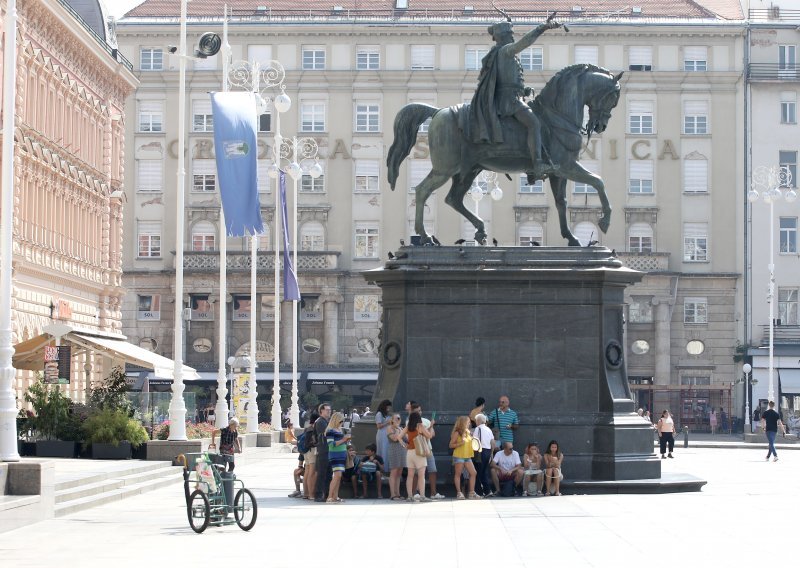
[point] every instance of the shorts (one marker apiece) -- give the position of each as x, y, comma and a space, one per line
337, 467
431, 464
311, 457
505, 476
413, 461
227, 458
348, 473
462, 460
534, 472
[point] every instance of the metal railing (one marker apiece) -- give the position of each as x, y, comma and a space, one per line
773, 13
208, 261
773, 72
646, 262
782, 334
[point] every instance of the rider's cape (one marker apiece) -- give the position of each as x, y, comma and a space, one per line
482, 124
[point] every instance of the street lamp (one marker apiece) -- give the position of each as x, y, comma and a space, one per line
480, 187
770, 181
747, 368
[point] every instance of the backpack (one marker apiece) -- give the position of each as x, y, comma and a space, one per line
507, 488
306, 441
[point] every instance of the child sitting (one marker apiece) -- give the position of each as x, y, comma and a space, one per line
371, 469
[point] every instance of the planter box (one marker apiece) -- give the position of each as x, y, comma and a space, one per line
26, 448
56, 449
111, 452
264, 439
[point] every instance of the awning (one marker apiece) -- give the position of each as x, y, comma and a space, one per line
790, 381
333, 378
29, 355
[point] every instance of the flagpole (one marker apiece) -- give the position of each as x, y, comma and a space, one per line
295, 409
252, 407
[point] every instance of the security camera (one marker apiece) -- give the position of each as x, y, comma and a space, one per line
172, 48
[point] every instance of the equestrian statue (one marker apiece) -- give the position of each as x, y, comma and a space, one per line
503, 130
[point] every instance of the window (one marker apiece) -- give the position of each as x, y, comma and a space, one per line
586, 232
640, 58
202, 119
417, 171
531, 59
788, 159
641, 176
203, 236
789, 107
201, 307
586, 54
594, 167
309, 184
425, 100
640, 238
787, 60
473, 57
788, 238
312, 236
149, 175
525, 187
422, 57
149, 235
204, 175
695, 242
787, 306
314, 58
312, 117
148, 308
695, 58
695, 310
368, 117
367, 176
695, 176
368, 57
695, 117
265, 122
366, 244
640, 311
640, 117
151, 116
531, 233
151, 59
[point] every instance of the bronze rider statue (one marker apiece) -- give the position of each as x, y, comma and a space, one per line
500, 91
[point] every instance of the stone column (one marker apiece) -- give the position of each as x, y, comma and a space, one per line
330, 328
663, 365
286, 332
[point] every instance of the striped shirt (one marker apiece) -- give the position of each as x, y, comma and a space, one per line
502, 420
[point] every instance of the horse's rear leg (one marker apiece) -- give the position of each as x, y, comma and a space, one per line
558, 186
432, 181
455, 199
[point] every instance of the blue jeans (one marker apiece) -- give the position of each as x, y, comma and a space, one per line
771, 440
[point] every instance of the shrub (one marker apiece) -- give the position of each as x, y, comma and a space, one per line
112, 393
50, 409
112, 427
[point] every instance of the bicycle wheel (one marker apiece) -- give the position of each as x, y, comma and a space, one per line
199, 511
245, 509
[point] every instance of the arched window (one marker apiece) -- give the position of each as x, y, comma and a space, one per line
640, 238
312, 236
204, 236
530, 232
586, 232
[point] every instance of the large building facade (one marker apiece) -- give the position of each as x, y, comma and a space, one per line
671, 161
71, 87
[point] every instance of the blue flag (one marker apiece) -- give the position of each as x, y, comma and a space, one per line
235, 146
291, 289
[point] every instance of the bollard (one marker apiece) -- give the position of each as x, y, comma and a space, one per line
685, 436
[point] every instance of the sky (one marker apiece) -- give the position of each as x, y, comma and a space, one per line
117, 8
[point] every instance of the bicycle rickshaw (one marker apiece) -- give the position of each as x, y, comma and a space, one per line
213, 500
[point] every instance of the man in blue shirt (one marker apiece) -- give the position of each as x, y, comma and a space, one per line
504, 420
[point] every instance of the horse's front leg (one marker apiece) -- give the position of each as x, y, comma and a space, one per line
455, 199
558, 186
423, 191
578, 173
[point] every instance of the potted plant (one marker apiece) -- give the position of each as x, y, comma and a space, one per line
51, 423
112, 434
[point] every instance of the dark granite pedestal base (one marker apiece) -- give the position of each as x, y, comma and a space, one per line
543, 325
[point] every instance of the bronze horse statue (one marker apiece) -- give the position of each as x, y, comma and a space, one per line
559, 106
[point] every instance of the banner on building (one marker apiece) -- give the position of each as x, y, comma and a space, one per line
241, 397
291, 289
57, 364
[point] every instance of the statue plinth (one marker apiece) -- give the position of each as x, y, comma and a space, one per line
543, 325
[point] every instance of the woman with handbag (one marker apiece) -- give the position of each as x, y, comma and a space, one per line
417, 452
461, 443
397, 457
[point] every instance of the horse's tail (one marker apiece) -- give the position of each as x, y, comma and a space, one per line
406, 125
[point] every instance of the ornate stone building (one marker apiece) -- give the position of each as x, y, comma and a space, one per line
68, 173
671, 160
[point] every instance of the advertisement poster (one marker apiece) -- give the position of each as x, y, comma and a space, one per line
241, 398
57, 366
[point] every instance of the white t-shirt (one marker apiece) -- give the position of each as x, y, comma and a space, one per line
484, 436
505, 462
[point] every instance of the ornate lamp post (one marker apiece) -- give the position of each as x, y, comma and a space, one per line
480, 187
770, 181
747, 368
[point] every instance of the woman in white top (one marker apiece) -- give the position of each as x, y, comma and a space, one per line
666, 433
712, 420
484, 435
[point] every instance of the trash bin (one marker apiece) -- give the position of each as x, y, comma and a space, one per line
227, 486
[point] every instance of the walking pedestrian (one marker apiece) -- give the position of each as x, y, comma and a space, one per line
770, 421
323, 466
504, 420
461, 444
485, 437
666, 433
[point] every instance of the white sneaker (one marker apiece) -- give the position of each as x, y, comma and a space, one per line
437, 496
775, 459
417, 498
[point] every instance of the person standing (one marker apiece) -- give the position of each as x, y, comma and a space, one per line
310, 460
416, 464
461, 444
323, 466
666, 433
337, 454
770, 421
712, 420
383, 418
413, 406
504, 420
486, 438
480, 404
396, 460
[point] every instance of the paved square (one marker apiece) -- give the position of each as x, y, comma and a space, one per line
741, 518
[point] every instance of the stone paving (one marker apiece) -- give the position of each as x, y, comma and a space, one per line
742, 517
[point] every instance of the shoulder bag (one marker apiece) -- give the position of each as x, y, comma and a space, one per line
422, 447
476, 442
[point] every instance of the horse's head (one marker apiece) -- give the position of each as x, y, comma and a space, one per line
604, 96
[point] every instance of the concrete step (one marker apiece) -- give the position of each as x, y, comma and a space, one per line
10, 502
131, 467
90, 488
110, 495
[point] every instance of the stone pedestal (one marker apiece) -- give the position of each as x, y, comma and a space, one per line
541, 325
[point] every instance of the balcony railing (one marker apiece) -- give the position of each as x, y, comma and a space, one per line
646, 262
783, 335
240, 261
773, 13
773, 72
